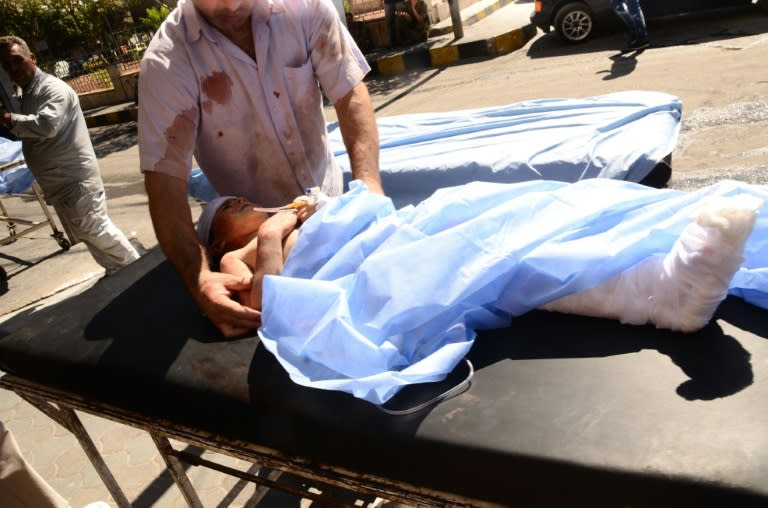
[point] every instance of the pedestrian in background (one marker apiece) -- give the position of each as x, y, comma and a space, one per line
412, 23
631, 13
21, 486
58, 151
390, 12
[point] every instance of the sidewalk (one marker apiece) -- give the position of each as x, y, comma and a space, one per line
491, 28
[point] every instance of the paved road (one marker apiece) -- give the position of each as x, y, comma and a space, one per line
716, 65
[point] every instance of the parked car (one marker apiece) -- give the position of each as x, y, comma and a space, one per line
577, 20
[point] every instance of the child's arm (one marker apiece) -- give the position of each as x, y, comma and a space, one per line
270, 253
240, 262
278, 233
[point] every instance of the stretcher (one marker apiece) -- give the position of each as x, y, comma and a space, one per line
15, 178
561, 410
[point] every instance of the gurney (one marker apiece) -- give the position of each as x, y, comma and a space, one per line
561, 411
15, 178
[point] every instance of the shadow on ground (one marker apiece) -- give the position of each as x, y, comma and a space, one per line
113, 138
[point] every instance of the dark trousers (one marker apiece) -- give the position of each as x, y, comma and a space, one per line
631, 14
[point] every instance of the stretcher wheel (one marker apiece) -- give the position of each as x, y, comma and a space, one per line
63, 242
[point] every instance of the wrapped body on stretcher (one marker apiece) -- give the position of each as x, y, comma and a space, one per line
371, 299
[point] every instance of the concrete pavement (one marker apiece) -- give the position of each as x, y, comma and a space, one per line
41, 273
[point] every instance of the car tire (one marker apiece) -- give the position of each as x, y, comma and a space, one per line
574, 22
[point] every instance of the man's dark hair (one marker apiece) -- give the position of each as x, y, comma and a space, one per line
8, 41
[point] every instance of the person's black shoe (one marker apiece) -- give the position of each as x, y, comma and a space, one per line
637, 45
3, 281
658, 177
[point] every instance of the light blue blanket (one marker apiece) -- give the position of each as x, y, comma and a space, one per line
374, 298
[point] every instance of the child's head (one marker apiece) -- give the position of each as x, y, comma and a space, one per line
228, 223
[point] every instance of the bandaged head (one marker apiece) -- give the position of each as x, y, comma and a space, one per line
205, 221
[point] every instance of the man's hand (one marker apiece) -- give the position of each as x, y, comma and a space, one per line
5, 116
212, 291
373, 185
216, 302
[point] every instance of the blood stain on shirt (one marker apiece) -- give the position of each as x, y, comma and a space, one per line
218, 87
179, 137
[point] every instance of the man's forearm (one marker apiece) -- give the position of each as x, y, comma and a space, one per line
360, 135
172, 221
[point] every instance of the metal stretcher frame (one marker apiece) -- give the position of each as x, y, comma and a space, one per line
60, 406
13, 233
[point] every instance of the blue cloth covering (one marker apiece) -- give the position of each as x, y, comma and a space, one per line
373, 298
17, 179
620, 136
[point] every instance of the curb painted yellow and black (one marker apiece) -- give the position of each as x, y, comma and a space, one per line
447, 55
113, 117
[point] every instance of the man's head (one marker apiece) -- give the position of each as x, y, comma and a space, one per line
228, 16
17, 60
228, 223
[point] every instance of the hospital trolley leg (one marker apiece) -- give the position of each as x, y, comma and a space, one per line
68, 419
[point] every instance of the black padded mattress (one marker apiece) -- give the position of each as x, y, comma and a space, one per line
562, 410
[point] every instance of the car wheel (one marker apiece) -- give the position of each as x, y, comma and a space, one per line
574, 22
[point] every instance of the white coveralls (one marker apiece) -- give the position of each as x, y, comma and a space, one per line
20, 485
59, 153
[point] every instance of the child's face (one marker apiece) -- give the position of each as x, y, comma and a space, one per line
234, 224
